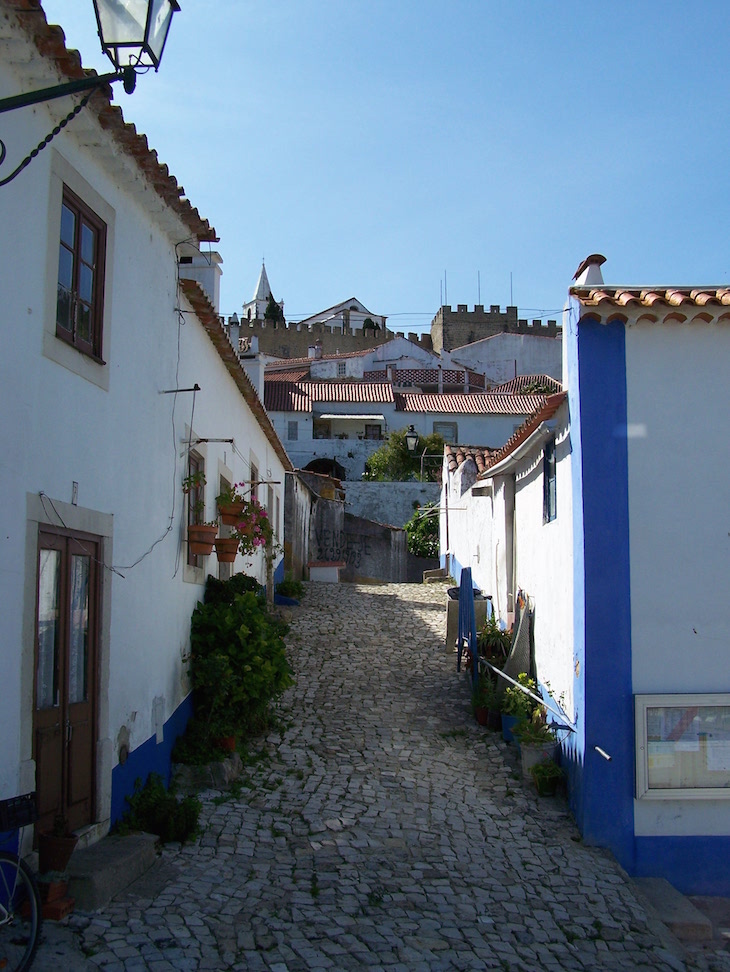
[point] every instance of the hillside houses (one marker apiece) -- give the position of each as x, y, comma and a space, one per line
118, 381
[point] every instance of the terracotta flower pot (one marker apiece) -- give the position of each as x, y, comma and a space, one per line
226, 549
231, 512
201, 538
227, 744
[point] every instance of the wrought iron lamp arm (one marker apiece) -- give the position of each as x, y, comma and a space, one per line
126, 75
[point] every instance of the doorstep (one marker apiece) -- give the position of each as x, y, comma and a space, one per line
676, 911
99, 872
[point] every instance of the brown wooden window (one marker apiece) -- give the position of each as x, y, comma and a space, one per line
81, 259
196, 502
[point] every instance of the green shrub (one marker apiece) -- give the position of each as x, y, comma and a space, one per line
290, 588
238, 666
155, 810
422, 531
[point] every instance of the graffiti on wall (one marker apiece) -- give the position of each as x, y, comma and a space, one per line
339, 545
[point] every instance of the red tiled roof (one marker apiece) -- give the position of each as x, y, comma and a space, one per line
659, 302
471, 404
289, 396
527, 384
294, 375
207, 316
457, 455
545, 411
50, 43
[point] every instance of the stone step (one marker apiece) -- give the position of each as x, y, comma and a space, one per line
99, 872
677, 912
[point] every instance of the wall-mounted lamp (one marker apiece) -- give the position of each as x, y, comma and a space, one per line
411, 439
132, 34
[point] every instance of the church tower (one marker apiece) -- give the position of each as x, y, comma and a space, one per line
255, 309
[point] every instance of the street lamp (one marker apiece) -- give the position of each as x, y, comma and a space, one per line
411, 439
132, 34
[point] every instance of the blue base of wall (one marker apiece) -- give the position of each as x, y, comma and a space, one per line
693, 865
150, 757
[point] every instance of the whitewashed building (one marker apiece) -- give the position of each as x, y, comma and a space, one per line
616, 501
117, 381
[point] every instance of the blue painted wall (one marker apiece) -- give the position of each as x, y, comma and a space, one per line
603, 801
150, 757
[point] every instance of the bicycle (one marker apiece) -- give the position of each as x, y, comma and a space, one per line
20, 903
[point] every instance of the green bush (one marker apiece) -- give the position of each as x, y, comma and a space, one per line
422, 531
290, 588
238, 666
155, 810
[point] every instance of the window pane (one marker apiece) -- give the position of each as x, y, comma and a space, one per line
88, 244
79, 644
63, 309
86, 283
68, 226
48, 629
65, 267
83, 321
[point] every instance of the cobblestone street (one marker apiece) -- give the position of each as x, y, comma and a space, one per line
385, 830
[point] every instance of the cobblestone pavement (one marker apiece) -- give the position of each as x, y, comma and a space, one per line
384, 831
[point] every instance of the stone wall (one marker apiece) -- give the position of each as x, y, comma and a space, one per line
293, 341
454, 328
389, 503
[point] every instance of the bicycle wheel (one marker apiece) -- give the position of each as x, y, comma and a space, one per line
20, 914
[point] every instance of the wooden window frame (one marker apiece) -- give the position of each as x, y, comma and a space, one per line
549, 483
83, 215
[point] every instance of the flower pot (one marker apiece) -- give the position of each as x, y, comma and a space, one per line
231, 512
201, 538
226, 549
226, 743
508, 723
547, 786
481, 715
533, 753
54, 853
494, 720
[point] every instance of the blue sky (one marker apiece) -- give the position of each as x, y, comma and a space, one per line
367, 149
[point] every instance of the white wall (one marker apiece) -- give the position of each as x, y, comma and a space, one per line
678, 398
503, 357
109, 429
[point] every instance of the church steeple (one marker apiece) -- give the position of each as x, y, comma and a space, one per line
255, 309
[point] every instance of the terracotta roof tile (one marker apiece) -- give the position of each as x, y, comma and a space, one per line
529, 384
545, 411
50, 42
609, 298
291, 396
471, 404
457, 455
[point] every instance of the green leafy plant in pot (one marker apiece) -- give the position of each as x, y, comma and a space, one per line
547, 775
55, 847
516, 705
485, 702
538, 741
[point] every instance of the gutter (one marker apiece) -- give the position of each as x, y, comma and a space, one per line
544, 431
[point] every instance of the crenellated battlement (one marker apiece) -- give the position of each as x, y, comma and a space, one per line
455, 328
292, 340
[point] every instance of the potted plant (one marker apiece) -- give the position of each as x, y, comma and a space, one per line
538, 741
516, 705
485, 703
547, 775
253, 529
230, 504
201, 537
55, 847
226, 549
494, 643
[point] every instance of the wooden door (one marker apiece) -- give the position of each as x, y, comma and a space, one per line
66, 677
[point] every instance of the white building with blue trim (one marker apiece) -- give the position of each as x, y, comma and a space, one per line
608, 511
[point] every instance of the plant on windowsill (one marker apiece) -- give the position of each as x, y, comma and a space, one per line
230, 504
193, 482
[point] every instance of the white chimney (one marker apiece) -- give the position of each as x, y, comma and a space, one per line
589, 273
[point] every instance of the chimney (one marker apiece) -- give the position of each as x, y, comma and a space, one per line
318, 349
589, 273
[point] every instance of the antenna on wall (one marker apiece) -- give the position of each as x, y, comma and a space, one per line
446, 290
479, 288
511, 302
441, 293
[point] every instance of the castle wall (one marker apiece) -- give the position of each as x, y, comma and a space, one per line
294, 341
454, 328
